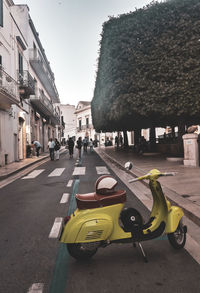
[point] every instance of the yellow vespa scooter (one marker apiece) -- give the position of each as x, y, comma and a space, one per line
100, 218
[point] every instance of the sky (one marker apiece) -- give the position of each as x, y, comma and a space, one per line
69, 31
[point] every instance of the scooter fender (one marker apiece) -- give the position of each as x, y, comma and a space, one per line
174, 216
87, 228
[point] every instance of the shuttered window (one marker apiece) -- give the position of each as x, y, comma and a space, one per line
1, 12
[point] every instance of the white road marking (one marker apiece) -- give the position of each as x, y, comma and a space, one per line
69, 184
101, 170
56, 172
36, 288
55, 230
64, 198
33, 174
79, 171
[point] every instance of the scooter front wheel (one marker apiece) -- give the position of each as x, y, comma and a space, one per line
178, 238
81, 251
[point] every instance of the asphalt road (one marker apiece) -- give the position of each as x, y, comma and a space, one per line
28, 208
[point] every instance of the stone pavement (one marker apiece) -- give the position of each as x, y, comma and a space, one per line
182, 189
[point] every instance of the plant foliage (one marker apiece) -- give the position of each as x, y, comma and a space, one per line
149, 68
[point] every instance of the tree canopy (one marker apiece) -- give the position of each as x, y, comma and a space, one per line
149, 68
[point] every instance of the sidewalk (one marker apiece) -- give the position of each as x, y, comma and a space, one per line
13, 168
182, 189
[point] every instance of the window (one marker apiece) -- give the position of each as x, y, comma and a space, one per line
1, 12
87, 122
20, 63
79, 126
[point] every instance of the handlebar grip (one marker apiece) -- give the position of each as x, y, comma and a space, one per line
168, 174
133, 180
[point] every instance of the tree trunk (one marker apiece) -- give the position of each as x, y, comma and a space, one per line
137, 135
152, 138
125, 139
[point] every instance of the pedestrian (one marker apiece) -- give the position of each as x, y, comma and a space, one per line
37, 146
121, 140
85, 144
79, 144
117, 141
51, 145
91, 145
71, 147
57, 148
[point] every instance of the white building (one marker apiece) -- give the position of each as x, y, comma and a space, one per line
27, 88
69, 119
84, 126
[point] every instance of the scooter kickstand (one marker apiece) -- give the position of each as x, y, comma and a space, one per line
143, 253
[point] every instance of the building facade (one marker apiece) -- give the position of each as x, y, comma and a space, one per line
29, 101
69, 119
84, 126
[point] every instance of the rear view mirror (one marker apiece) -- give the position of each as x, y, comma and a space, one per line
128, 165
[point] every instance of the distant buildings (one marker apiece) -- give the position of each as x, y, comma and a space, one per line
29, 101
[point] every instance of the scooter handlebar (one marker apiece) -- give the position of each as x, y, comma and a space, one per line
148, 176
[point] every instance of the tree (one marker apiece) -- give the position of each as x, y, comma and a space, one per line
149, 68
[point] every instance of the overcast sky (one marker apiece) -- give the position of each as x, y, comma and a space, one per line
69, 31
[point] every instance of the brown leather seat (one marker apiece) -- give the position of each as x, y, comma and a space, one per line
94, 200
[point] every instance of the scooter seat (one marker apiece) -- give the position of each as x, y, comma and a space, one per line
94, 200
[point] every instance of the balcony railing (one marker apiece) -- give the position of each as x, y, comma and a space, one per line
44, 73
85, 127
8, 89
45, 106
26, 83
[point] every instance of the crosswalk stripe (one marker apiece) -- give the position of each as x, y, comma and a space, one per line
36, 288
79, 171
64, 198
55, 230
101, 170
33, 174
56, 172
69, 184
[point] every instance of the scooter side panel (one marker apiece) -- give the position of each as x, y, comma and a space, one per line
174, 216
95, 230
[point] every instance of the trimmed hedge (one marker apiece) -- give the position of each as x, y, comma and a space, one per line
149, 68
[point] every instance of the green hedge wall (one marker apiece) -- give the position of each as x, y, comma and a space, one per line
149, 68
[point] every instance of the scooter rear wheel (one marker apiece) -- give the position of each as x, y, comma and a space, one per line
81, 251
178, 238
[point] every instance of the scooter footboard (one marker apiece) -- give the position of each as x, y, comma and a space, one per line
174, 216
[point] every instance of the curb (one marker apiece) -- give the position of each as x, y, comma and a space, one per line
2, 177
192, 212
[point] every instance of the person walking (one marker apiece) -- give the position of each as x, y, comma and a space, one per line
79, 146
37, 146
91, 145
51, 145
71, 147
57, 148
85, 144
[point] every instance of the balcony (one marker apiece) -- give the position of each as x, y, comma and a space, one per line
8, 90
84, 127
45, 106
26, 84
43, 71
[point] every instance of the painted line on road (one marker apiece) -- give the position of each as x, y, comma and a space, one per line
101, 170
64, 198
69, 184
36, 288
58, 283
79, 171
55, 230
56, 172
33, 174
